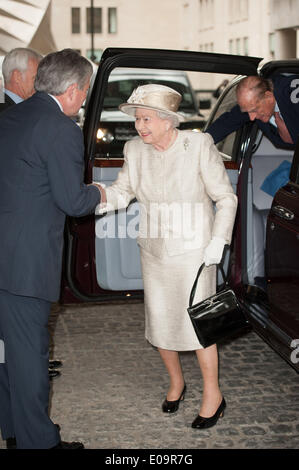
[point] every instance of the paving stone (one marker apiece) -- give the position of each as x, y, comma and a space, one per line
113, 383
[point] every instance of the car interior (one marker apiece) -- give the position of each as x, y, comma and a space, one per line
265, 159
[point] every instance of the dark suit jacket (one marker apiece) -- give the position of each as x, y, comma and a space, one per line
287, 99
7, 103
41, 180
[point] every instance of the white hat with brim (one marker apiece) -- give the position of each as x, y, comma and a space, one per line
155, 97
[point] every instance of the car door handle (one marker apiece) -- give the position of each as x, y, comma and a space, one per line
283, 212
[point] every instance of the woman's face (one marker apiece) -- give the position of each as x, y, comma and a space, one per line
151, 128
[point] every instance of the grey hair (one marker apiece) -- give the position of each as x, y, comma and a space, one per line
58, 70
18, 59
258, 85
174, 120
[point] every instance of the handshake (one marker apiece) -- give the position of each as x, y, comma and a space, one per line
101, 188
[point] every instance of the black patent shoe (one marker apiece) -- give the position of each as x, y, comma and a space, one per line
69, 445
54, 364
205, 423
173, 406
53, 374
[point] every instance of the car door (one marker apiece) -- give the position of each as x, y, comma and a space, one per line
97, 267
282, 255
264, 265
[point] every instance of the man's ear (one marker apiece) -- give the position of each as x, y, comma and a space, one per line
16, 76
269, 94
70, 90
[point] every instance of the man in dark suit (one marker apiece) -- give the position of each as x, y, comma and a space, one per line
274, 104
5, 102
41, 180
19, 69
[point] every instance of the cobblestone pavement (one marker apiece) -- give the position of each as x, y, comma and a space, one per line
113, 382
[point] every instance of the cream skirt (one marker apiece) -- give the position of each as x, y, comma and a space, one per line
167, 285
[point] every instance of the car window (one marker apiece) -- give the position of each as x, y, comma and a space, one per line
118, 91
226, 145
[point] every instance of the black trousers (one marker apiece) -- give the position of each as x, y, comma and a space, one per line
24, 378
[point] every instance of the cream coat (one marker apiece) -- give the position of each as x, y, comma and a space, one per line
175, 190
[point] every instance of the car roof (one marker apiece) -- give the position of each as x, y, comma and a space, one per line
275, 67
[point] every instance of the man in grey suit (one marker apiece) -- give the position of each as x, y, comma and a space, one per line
41, 181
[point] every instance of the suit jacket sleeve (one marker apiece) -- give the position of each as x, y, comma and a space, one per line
227, 123
66, 172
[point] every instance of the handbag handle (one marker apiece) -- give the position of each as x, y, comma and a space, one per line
193, 290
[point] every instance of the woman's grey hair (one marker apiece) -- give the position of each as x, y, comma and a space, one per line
17, 59
174, 120
58, 70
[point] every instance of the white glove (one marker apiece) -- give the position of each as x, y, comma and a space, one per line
214, 251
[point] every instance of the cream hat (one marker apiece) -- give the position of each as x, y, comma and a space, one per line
156, 97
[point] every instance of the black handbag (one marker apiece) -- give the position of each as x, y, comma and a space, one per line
216, 317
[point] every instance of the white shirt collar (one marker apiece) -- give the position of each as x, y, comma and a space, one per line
272, 118
55, 99
16, 98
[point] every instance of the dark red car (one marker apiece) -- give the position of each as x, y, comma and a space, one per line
101, 261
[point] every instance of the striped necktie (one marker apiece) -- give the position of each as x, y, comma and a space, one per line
282, 128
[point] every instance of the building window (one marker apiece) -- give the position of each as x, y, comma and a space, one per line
97, 20
75, 20
272, 45
245, 46
96, 56
244, 10
112, 20
231, 46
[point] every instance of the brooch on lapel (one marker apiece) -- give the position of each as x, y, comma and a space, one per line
186, 144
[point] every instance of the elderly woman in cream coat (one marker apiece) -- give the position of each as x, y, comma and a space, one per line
175, 176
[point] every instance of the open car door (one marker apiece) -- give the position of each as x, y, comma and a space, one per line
101, 253
282, 266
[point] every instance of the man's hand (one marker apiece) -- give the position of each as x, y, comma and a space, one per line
102, 191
